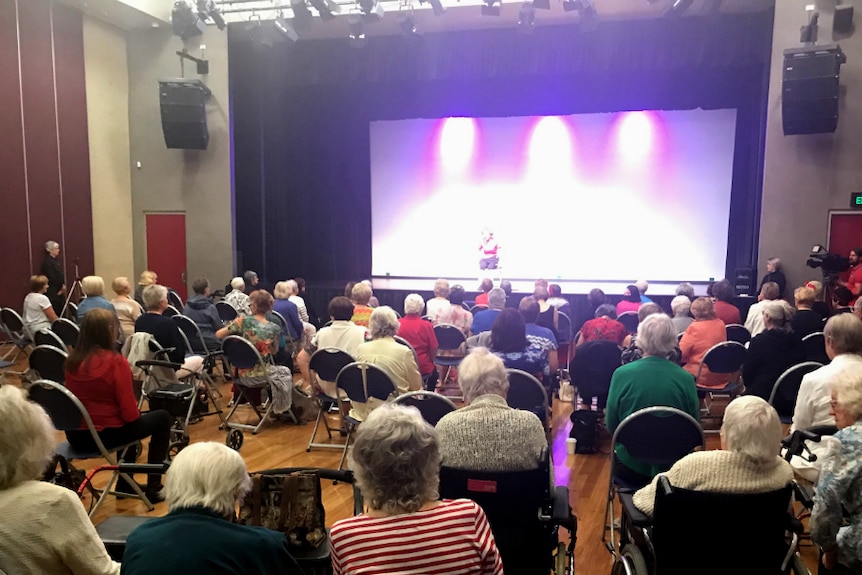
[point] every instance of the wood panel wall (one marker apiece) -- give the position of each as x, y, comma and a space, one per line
44, 158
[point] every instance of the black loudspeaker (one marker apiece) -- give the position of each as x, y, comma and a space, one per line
842, 22
809, 89
184, 115
744, 282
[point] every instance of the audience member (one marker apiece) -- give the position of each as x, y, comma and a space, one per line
419, 333
361, 294
841, 298
652, 380
205, 483
313, 316
52, 269
748, 461
440, 301
754, 320
506, 286
39, 314
383, 351
484, 319
147, 278
201, 310
681, 308
348, 291
508, 341
165, 331
251, 281
722, 293
396, 462
686, 289
43, 527
511, 439
705, 331
547, 313
372, 301
631, 300
843, 336
539, 335
604, 326
774, 274
857, 308
102, 379
854, 277
341, 334
633, 352
294, 297
94, 290
288, 310
237, 296
485, 286
455, 314
595, 298
836, 519
643, 286
819, 305
772, 351
557, 300
128, 310
805, 320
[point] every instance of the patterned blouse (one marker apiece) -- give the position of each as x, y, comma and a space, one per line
604, 328
532, 359
265, 336
455, 315
239, 301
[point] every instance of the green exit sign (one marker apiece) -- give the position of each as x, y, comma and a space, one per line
856, 200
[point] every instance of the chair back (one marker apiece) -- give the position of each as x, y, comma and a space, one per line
815, 347
431, 405
738, 332
724, 357
527, 393
171, 311
240, 352
758, 522
226, 311
477, 308
592, 368
49, 362
175, 300
280, 319
407, 344
13, 324
192, 333
71, 311
62, 406
564, 328
326, 362
48, 337
361, 380
449, 337
786, 388
630, 320
67, 330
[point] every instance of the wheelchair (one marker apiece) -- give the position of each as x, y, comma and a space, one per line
524, 513
709, 533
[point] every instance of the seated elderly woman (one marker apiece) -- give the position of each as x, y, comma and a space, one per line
396, 462
289, 311
836, 519
771, 351
94, 288
419, 333
805, 320
748, 461
128, 310
681, 308
651, 380
44, 528
631, 351
725, 310
266, 337
147, 278
604, 326
360, 295
237, 296
383, 351
485, 286
205, 483
440, 301
508, 340
38, 312
454, 313
706, 331
165, 331
511, 439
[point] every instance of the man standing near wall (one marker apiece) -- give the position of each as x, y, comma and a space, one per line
53, 270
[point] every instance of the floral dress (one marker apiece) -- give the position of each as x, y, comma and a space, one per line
265, 336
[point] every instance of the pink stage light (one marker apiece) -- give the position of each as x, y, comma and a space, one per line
457, 138
550, 145
635, 135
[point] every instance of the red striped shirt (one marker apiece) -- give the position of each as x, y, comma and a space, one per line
453, 538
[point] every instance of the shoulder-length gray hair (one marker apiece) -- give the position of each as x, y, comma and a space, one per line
481, 373
383, 322
207, 474
396, 460
656, 335
26, 438
751, 427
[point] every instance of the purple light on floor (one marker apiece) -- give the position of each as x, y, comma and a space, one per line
457, 138
635, 137
550, 147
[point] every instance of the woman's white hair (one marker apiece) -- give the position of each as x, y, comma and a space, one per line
93, 286
207, 474
779, 313
680, 306
656, 335
396, 460
292, 286
751, 427
413, 304
26, 438
281, 290
847, 386
776, 263
153, 296
383, 322
441, 288
481, 373
237, 283
51, 245
642, 286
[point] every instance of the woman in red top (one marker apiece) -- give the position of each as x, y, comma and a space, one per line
486, 285
705, 331
102, 379
419, 333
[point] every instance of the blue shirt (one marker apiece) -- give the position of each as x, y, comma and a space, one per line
483, 320
92, 302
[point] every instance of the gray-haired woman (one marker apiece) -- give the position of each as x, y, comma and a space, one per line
771, 351
396, 460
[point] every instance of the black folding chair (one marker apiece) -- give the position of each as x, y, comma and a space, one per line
48, 337
433, 406
241, 354
325, 363
591, 370
226, 312
738, 332
815, 347
67, 330
527, 392
786, 388
630, 320
48, 362
171, 311
724, 358
198, 345
175, 300
13, 326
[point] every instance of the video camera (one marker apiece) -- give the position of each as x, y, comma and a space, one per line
830, 263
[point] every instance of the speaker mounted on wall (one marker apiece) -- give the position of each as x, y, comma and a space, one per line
842, 22
809, 89
184, 116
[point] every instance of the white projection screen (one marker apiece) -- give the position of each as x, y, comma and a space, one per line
600, 197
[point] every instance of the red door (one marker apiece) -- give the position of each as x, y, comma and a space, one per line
166, 250
845, 232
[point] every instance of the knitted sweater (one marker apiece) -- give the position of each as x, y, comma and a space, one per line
719, 471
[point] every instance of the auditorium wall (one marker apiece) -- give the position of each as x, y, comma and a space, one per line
806, 176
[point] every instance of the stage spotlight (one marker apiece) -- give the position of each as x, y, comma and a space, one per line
260, 38
185, 22
208, 9
585, 9
356, 33
491, 8
436, 6
283, 26
371, 9
678, 7
302, 16
526, 18
407, 25
326, 8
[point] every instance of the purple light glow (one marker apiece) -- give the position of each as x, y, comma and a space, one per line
550, 146
635, 137
457, 137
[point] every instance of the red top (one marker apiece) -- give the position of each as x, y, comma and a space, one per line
420, 334
481, 299
854, 281
103, 383
726, 312
604, 328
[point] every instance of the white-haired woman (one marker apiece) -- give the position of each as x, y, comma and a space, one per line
237, 296
839, 488
290, 312
419, 333
651, 380
440, 302
94, 288
631, 351
748, 461
205, 483
164, 330
680, 306
43, 527
774, 274
396, 461
360, 295
383, 351
511, 439
128, 310
771, 351
293, 288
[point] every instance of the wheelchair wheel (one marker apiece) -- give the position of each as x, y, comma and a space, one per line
562, 561
797, 566
235, 439
630, 562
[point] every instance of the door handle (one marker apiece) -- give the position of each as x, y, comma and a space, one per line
183, 277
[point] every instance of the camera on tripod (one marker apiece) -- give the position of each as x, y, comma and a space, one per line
830, 264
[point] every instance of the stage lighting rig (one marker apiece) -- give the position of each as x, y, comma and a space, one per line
542, 4
408, 25
585, 9
208, 9
185, 22
678, 7
302, 16
808, 32
356, 33
526, 18
492, 7
326, 8
372, 10
436, 6
285, 28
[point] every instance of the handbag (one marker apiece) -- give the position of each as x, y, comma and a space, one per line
290, 503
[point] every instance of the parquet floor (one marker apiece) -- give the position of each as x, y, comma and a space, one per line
282, 444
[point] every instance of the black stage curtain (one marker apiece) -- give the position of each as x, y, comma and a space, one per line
301, 114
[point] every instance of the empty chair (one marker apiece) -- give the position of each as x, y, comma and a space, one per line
738, 332
175, 300
432, 406
226, 312
815, 347
527, 392
48, 337
67, 330
591, 370
13, 328
786, 388
47, 362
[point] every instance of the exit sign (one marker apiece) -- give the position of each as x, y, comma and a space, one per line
856, 200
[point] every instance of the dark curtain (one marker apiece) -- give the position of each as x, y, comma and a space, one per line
301, 114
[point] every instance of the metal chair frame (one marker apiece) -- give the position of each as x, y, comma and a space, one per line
48, 337
47, 361
449, 338
733, 386
319, 366
738, 332
433, 406
630, 324
191, 331
226, 312
240, 362
815, 352
67, 330
13, 326
791, 376
526, 392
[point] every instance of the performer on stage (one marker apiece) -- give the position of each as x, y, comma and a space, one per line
488, 249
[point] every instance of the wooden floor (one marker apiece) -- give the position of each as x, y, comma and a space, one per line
282, 444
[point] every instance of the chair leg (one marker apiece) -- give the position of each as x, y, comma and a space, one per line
346, 447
